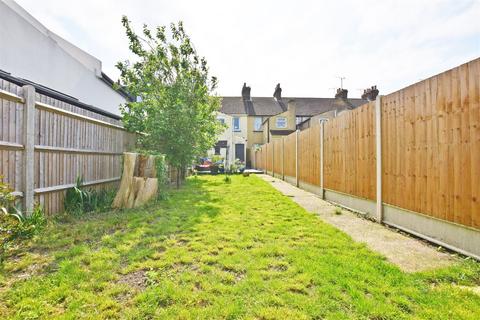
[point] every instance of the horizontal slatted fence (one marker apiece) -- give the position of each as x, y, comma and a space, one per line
69, 142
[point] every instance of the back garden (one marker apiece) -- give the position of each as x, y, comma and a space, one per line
217, 249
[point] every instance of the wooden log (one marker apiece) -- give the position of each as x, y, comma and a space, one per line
137, 186
123, 197
147, 190
146, 166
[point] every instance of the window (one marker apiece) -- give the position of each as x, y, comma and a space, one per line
221, 120
258, 124
301, 119
236, 124
281, 122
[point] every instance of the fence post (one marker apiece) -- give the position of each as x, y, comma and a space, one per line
29, 145
296, 158
322, 126
283, 158
378, 143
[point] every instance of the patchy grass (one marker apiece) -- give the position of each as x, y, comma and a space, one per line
216, 250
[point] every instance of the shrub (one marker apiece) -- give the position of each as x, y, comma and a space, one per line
16, 225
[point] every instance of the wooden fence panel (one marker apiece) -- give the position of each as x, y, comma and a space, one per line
349, 152
70, 142
309, 155
259, 162
431, 141
268, 157
11, 133
289, 155
277, 156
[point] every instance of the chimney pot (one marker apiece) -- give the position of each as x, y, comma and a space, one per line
277, 94
246, 92
341, 94
370, 94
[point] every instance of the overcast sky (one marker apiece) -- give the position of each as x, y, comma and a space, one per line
304, 45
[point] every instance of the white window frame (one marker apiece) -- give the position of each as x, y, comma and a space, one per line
236, 129
285, 125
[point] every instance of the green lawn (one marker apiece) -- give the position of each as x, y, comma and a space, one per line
221, 251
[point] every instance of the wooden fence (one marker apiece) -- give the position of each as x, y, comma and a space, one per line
429, 149
45, 144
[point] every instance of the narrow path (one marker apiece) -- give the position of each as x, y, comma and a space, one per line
409, 254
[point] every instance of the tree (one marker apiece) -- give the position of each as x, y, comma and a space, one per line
175, 109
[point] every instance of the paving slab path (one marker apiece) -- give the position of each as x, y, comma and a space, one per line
409, 254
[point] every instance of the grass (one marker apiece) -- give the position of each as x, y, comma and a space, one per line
216, 250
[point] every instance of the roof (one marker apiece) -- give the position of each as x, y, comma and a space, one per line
269, 106
281, 132
56, 95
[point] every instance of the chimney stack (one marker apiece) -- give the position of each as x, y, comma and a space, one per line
277, 94
341, 94
370, 94
246, 92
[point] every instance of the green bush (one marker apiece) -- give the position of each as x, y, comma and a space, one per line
16, 225
162, 170
79, 200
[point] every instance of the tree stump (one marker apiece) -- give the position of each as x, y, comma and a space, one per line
139, 183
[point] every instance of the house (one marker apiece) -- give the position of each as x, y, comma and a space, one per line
342, 104
28, 50
253, 121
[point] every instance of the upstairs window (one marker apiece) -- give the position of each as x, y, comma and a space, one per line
221, 120
281, 122
258, 124
236, 124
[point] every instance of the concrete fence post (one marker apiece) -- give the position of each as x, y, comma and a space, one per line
29, 147
296, 159
322, 127
378, 143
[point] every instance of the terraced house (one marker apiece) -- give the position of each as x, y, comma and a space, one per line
253, 121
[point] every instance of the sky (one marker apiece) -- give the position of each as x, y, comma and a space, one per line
306, 46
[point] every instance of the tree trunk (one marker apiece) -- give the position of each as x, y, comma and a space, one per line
178, 177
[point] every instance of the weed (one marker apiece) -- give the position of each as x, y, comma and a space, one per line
227, 179
15, 225
79, 200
